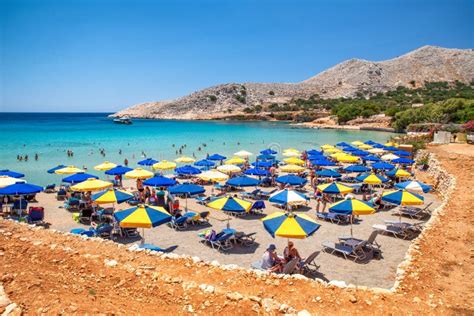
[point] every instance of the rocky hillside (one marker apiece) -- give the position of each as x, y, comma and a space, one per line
427, 63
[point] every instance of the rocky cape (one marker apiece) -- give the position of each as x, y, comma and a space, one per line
426, 64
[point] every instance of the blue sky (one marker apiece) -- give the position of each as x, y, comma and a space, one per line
78, 55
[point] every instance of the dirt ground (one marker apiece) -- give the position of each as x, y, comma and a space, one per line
50, 273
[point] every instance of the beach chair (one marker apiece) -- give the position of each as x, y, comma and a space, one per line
130, 232
20, 206
61, 195
35, 215
219, 241
203, 200
257, 207
85, 216
72, 204
309, 266
51, 188
245, 239
414, 212
178, 223
251, 195
104, 231
150, 247
203, 217
409, 231
266, 194
333, 218
291, 267
370, 242
357, 252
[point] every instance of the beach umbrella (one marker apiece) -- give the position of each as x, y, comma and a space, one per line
292, 150
20, 188
142, 216
326, 146
265, 157
335, 188
390, 148
147, 162
119, 170
9, 173
235, 161
291, 154
347, 158
268, 151
351, 207
402, 197
383, 166
288, 198
356, 168
262, 164
186, 189
205, 163
68, 170
79, 177
139, 173
213, 176
314, 152
414, 186
291, 180
6, 181
371, 178
402, 153
360, 153
392, 144
403, 161
105, 166
294, 161
229, 169
230, 204
328, 173
316, 157
187, 170
376, 151
242, 181
332, 150
343, 144
371, 158
52, 170
365, 146
91, 185
357, 143
290, 225
185, 159
111, 196
257, 172
400, 173
389, 157
349, 149
216, 157
323, 163
164, 165
159, 182
243, 153
292, 168
370, 142
377, 145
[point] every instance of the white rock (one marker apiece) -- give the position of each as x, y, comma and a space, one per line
110, 263
338, 283
304, 312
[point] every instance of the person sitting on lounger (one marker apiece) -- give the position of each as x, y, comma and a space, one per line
270, 260
291, 252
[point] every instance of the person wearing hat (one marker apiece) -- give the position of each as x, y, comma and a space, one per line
270, 260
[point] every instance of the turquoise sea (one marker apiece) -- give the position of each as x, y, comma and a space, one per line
50, 135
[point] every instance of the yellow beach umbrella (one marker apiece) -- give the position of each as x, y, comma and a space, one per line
294, 150
139, 173
347, 158
364, 146
105, 166
332, 150
357, 143
335, 188
229, 169
291, 154
243, 153
213, 175
327, 146
290, 225
164, 165
6, 181
292, 168
294, 161
235, 161
230, 204
400, 173
402, 197
185, 159
68, 170
91, 185
391, 144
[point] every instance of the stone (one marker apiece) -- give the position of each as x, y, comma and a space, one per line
304, 312
352, 299
234, 296
110, 263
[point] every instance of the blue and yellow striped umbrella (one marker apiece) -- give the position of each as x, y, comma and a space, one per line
352, 207
290, 225
143, 216
230, 204
402, 197
111, 196
335, 188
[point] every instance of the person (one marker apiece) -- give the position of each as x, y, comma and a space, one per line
140, 185
152, 199
125, 162
291, 253
147, 194
318, 195
270, 260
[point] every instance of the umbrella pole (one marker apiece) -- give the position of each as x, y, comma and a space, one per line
143, 237
351, 225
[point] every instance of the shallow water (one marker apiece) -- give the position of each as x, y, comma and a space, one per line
52, 134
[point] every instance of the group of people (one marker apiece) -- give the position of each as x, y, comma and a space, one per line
272, 262
25, 157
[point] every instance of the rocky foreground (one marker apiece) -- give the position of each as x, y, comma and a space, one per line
426, 64
45, 272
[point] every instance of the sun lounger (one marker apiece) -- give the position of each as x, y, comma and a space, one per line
203, 199
404, 231
258, 207
251, 195
414, 212
266, 194
291, 267
51, 188
130, 232
219, 241
20, 206
85, 216
333, 217
61, 195
351, 241
151, 247
357, 252
178, 223
245, 239
35, 215
309, 266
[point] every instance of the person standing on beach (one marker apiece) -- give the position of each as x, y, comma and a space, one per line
125, 162
36, 156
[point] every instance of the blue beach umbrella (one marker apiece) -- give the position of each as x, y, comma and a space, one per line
371, 178
205, 163
10, 173
323, 163
371, 158
111, 196
291, 180
187, 170
262, 164
316, 157
119, 170
265, 157
360, 153
257, 172
242, 181
343, 144
314, 152
356, 168
403, 161
159, 181
216, 157
402, 153
147, 162
370, 142
377, 145
187, 189
20, 189
383, 166
79, 177
350, 149
268, 151
288, 197
390, 148
414, 186
52, 170
328, 173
